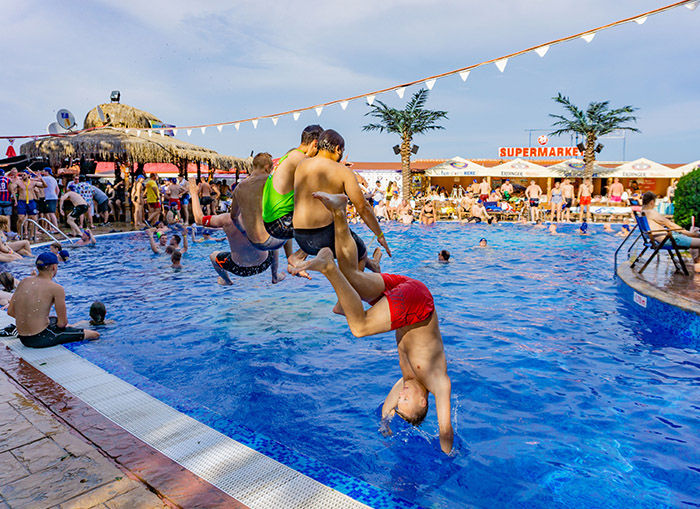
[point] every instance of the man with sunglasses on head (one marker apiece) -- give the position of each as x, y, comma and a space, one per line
313, 223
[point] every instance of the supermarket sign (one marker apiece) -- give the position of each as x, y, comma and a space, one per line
525, 152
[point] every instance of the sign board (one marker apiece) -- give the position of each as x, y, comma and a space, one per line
639, 299
531, 152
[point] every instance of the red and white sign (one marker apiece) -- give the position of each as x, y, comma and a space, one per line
566, 152
640, 300
542, 140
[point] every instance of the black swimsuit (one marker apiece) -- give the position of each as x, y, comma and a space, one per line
223, 259
53, 335
312, 240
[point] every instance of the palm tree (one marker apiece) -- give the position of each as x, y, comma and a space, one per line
412, 120
595, 122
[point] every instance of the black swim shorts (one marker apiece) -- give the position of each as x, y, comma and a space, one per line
223, 260
312, 240
53, 335
534, 202
205, 200
78, 211
281, 228
569, 202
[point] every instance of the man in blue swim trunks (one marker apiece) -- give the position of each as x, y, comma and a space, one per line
26, 204
31, 305
659, 224
313, 223
244, 259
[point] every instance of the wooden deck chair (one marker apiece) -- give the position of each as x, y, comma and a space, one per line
667, 243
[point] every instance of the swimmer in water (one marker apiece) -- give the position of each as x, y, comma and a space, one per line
175, 259
32, 302
397, 303
607, 228
8, 284
483, 243
553, 229
624, 232
170, 247
86, 239
206, 236
98, 312
444, 256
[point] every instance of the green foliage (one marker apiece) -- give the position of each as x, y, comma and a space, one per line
596, 121
686, 200
413, 119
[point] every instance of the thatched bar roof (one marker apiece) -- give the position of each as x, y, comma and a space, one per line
110, 144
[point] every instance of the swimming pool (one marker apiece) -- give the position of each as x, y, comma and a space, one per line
562, 395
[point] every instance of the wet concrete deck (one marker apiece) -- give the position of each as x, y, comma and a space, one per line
661, 275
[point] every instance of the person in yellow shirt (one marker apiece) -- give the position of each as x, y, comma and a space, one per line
153, 199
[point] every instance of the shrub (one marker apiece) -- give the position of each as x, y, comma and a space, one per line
686, 200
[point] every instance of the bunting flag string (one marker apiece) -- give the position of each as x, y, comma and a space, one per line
500, 62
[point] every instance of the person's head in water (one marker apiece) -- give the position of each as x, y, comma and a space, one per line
444, 256
175, 259
648, 200
206, 233
7, 281
63, 255
162, 238
262, 163
98, 312
413, 402
483, 243
55, 247
584, 227
331, 141
552, 228
309, 139
174, 244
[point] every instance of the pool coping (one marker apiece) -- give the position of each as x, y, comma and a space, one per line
294, 488
640, 285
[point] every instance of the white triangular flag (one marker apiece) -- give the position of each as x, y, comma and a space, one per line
220, 127
430, 84
162, 132
692, 5
204, 130
542, 50
150, 133
400, 92
189, 132
344, 104
588, 37
125, 132
237, 125
255, 123
370, 99
464, 75
174, 132
296, 115
274, 120
138, 133
640, 21
319, 110
501, 64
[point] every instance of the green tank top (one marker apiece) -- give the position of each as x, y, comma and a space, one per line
274, 204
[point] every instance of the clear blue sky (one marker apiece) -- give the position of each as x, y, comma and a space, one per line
213, 61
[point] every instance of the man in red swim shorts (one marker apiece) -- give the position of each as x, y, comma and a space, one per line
398, 303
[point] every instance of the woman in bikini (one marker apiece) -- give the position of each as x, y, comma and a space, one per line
427, 213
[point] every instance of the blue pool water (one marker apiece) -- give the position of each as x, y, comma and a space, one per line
562, 394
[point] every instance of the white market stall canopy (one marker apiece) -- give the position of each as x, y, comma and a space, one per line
643, 168
458, 167
520, 168
574, 168
686, 168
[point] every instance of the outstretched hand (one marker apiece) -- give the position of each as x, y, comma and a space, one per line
382, 241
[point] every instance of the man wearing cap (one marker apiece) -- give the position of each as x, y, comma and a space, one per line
31, 305
80, 207
5, 195
50, 195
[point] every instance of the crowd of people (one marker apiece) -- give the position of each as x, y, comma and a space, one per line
309, 198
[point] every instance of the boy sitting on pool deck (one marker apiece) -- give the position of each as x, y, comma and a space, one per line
398, 303
31, 304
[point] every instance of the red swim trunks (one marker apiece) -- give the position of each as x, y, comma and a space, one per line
585, 200
484, 197
410, 301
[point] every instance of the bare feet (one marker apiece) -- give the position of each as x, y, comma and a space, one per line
223, 282
279, 276
293, 264
322, 262
332, 201
338, 309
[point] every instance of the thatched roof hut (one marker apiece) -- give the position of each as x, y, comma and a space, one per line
114, 143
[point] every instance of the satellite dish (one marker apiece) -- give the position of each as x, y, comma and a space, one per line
101, 114
65, 119
54, 128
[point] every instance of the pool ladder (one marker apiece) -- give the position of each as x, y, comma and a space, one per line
629, 250
51, 225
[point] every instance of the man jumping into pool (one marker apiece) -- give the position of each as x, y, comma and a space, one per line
244, 259
398, 303
313, 224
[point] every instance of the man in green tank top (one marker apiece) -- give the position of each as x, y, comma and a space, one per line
278, 193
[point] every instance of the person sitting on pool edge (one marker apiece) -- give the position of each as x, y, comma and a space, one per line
398, 303
31, 305
659, 225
